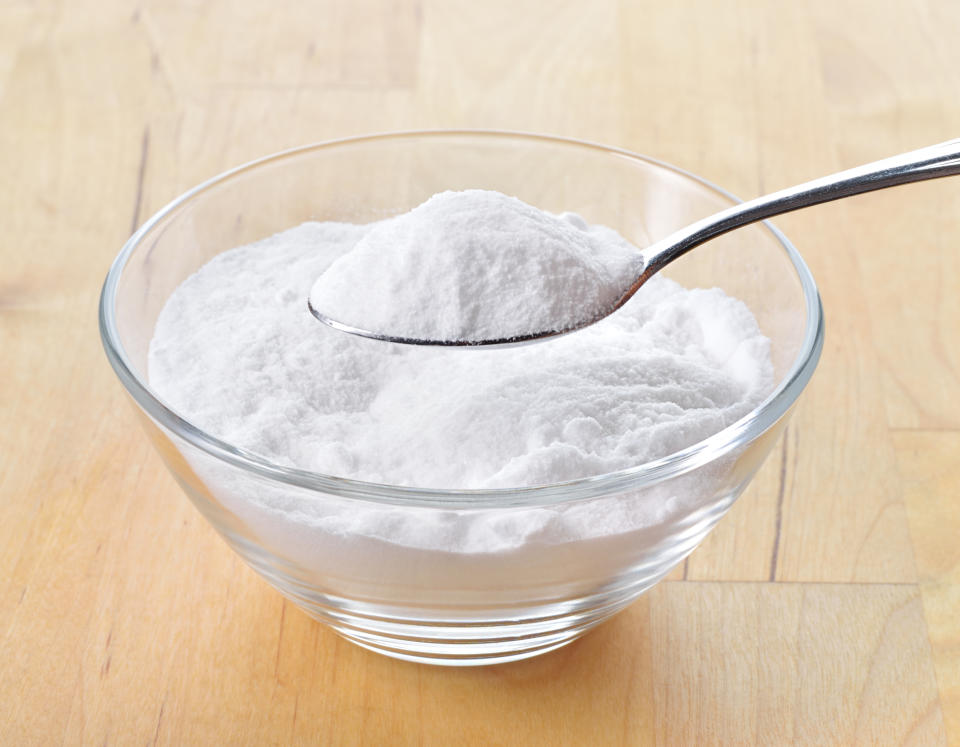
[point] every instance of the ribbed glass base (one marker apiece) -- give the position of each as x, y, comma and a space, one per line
477, 640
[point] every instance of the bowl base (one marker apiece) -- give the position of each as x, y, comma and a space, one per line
478, 641
495, 652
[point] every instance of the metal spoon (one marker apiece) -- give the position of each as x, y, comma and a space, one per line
931, 162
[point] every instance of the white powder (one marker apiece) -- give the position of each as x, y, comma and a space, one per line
477, 265
237, 353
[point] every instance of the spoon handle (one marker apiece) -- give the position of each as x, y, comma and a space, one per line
931, 162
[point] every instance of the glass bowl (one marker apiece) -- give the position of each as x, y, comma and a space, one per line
535, 567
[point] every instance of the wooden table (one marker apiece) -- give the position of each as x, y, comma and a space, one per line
824, 609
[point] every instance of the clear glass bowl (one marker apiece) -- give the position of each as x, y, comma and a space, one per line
538, 566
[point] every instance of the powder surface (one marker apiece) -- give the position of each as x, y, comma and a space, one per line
476, 265
237, 353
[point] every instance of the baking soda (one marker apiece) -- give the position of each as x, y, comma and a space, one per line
477, 265
237, 353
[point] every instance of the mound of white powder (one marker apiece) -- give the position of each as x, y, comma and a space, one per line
476, 265
237, 353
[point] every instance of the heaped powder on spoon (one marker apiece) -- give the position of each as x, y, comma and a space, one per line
237, 353
476, 265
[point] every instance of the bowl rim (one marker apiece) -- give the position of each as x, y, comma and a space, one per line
737, 434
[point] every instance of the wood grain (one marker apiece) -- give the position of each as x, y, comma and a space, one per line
822, 610
931, 479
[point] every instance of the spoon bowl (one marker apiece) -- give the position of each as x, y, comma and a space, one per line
497, 342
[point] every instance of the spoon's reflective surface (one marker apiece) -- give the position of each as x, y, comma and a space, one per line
926, 163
